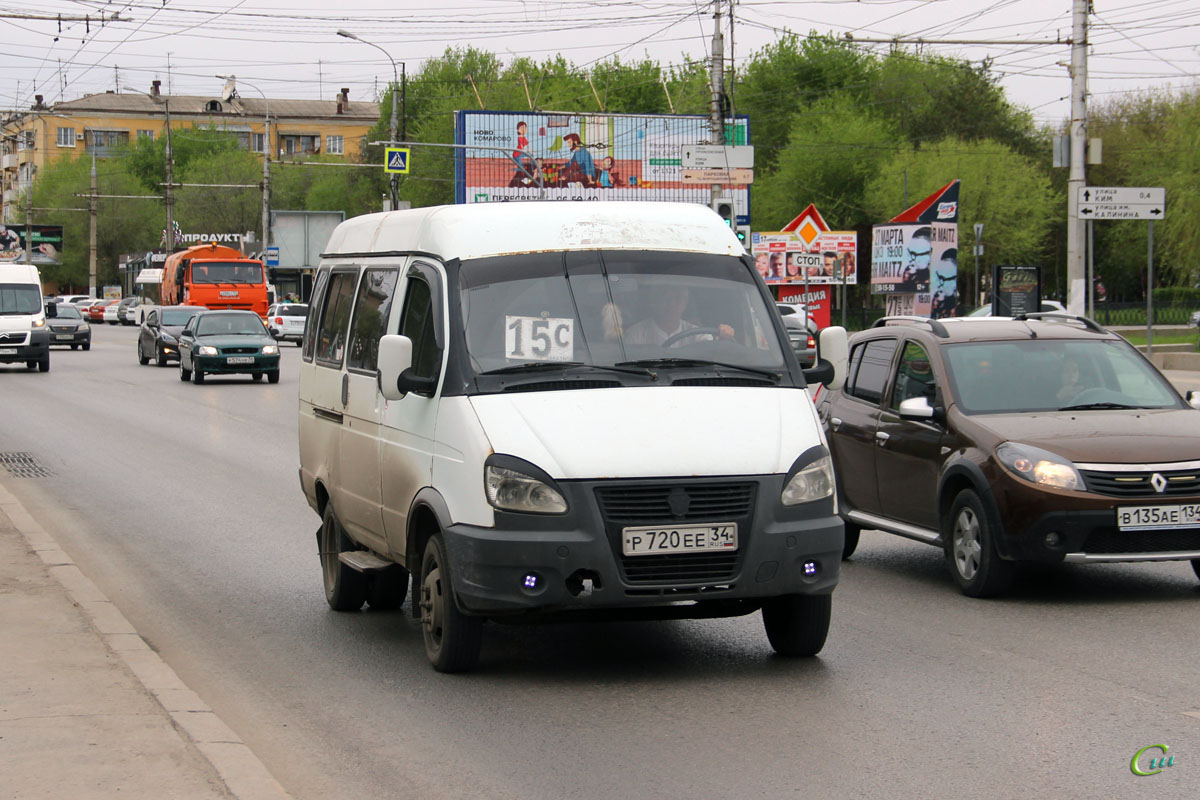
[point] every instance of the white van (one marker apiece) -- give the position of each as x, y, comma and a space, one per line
23, 332
579, 410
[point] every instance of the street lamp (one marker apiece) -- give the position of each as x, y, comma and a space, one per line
395, 90
170, 193
266, 186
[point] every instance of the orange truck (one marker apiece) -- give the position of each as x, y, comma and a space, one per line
214, 276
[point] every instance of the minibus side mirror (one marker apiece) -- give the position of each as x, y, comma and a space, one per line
395, 358
1193, 398
833, 360
52, 310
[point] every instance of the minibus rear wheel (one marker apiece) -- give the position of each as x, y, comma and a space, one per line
345, 587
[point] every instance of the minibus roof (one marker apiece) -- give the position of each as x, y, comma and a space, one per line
479, 230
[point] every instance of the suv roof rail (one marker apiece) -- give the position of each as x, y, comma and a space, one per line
1090, 324
938, 328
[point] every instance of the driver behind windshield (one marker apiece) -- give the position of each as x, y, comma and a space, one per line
667, 303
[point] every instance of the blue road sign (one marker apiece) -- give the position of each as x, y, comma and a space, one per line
396, 159
272, 256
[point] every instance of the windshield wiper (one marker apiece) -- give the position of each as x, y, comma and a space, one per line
695, 362
1097, 406
535, 366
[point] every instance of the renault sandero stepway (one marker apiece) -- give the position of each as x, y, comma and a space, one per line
563, 410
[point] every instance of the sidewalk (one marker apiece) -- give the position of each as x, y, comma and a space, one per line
87, 709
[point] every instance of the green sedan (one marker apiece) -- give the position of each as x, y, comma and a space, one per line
227, 343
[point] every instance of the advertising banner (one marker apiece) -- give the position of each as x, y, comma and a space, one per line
1018, 290
920, 261
514, 155
46, 243
818, 299
830, 257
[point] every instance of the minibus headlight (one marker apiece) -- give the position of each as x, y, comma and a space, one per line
207, 350
509, 490
39, 323
813, 482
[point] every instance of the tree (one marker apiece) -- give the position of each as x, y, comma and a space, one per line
147, 157
1001, 188
122, 225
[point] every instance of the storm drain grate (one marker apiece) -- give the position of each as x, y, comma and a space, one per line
24, 465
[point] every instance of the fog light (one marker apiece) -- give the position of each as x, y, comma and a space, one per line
531, 580
810, 568
1053, 539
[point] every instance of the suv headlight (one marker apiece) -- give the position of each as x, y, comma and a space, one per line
811, 482
1039, 466
206, 350
270, 349
512, 490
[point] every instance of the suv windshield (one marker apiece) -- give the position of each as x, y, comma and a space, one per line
615, 310
19, 298
1054, 374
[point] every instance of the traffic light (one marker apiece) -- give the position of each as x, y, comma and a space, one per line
724, 209
743, 234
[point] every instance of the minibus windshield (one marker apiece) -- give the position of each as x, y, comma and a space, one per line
616, 309
19, 298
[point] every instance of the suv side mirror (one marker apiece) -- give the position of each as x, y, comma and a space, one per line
833, 358
916, 408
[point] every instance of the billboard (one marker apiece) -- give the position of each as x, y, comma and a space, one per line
830, 257
515, 155
46, 243
916, 265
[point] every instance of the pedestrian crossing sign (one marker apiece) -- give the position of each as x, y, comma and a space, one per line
396, 159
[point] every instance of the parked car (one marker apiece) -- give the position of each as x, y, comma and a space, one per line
127, 310
227, 343
111, 312
68, 327
801, 330
1045, 306
286, 321
1194, 319
85, 305
97, 309
73, 299
1044, 440
158, 338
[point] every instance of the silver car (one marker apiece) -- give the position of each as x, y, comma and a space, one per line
286, 321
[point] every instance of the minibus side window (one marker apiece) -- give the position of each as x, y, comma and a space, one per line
417, 324
310, 324
371, 312
335, 319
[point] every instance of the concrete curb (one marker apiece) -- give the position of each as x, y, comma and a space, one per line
244, 776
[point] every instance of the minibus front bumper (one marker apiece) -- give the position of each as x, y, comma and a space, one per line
575, 561
34, 347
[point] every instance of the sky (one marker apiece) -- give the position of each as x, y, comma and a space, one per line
290, 48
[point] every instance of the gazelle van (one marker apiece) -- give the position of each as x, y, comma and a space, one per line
24, 336
563, 410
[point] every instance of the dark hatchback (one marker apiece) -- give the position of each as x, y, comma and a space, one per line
158, 337
1042, 439
227, 343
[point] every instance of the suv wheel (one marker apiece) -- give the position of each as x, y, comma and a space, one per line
971, 548
850, 543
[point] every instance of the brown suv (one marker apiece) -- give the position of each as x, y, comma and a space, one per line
1039, 438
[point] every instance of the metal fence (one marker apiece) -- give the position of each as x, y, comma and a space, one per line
1107, 314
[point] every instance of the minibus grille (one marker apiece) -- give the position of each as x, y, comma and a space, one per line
13, 337
675, 503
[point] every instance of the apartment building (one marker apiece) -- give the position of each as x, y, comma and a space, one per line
100, 123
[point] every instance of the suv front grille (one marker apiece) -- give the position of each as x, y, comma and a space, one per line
1140, 483
1113, 541
676, 503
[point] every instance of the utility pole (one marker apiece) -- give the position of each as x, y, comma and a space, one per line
92, 233
395, 187
1076, 277
170, 196
266, 181
717, 79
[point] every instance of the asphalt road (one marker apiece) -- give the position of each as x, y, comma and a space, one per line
183, 504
